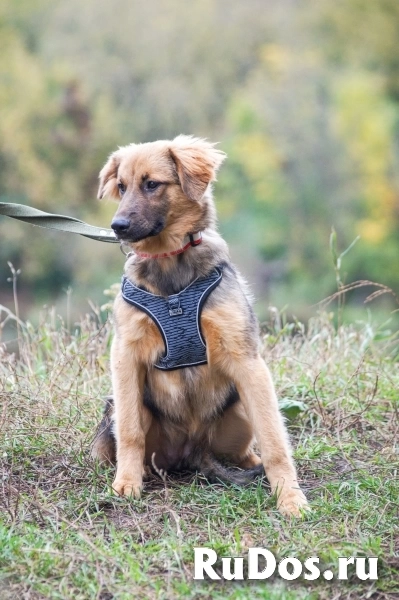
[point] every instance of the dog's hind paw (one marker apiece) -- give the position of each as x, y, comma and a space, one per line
125, 487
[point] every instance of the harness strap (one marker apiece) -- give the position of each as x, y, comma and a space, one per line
178, 318
34, 216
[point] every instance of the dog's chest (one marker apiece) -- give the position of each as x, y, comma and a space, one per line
187, 395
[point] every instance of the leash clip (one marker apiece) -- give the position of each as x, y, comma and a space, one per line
195, 238
127, 254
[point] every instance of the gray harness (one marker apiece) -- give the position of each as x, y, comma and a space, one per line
177, 318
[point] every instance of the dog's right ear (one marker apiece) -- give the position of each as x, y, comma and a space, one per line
197, 162
108, 177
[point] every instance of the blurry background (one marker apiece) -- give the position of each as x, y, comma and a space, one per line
303, 96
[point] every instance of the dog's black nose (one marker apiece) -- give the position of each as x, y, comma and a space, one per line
120, 225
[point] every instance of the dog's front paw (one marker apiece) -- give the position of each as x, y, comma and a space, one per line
292, 503
127, 487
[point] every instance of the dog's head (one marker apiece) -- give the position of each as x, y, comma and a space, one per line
162, 188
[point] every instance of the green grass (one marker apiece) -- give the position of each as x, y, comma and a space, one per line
63, 535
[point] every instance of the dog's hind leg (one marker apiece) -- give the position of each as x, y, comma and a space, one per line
104, 444
249, 461
234, 437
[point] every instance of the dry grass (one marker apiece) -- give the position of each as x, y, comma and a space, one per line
63, 535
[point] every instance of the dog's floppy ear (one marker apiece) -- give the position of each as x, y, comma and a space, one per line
197, 162
108, 177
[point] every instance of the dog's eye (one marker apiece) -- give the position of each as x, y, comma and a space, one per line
121, 188
152, 185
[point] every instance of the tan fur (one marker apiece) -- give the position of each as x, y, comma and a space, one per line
187, 411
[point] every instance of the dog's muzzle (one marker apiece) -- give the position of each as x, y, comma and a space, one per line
127, 231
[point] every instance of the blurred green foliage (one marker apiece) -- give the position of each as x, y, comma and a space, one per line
303, 96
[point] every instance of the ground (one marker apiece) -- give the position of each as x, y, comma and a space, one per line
64, 535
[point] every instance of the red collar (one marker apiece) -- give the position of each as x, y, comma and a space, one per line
193, 239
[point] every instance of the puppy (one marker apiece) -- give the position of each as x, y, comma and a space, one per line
189, 384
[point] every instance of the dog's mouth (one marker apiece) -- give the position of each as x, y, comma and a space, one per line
136, 233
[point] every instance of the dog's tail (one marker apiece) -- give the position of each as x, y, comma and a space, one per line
207, 464
104, 444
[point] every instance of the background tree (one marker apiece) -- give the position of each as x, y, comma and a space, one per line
304, 98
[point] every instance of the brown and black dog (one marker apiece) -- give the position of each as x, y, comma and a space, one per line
191, 416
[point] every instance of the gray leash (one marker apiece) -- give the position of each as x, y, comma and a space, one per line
58, 222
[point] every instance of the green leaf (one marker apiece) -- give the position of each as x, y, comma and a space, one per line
291, 408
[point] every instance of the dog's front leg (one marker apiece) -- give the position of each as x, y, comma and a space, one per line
132, 419
255, 386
